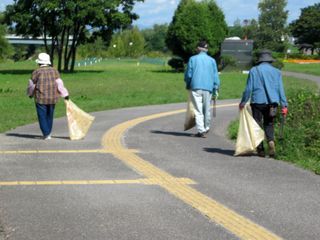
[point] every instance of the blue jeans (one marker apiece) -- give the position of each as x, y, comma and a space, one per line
45, 117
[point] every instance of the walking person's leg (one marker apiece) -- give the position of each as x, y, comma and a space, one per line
207, 109
257, 114
42, 118
197, 100
268, 123
50, 114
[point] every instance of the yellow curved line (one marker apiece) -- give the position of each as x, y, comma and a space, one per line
215, 211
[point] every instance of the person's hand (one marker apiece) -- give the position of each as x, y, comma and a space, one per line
241, 105
215, 94
66, 98
284, 111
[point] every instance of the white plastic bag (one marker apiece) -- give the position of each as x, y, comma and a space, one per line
190, 120
250, 134
79, 121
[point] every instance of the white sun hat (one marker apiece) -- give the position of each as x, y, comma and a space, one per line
43, 59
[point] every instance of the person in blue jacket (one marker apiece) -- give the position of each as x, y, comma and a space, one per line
265, 88
201, 77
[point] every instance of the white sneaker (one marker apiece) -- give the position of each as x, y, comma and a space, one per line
47, 137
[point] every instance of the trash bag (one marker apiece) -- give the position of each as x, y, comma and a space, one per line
79, 121
190, 120
250, 134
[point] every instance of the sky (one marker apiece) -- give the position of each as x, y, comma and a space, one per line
161, 11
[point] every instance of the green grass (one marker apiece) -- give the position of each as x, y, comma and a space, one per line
312, 68
107, 85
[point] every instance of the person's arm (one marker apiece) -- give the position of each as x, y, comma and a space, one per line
283, 99
188, 74
248, 90
216, 79
61, 89
30, 89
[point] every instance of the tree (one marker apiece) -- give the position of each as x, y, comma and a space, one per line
155, 37
129, 43
133, 43
66, 24
6, 50
307, 28
252, 29
236, 30
272, 25
247, 29
193, 21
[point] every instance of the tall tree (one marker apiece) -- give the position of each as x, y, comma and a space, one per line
272, 25
65, 24
193, 21
155, 37
307, 28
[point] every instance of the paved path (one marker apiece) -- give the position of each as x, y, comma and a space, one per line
303, 76
138, 176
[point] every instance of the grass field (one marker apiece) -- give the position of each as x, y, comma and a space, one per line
108, 85
312, 68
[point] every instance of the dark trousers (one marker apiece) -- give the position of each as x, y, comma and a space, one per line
45, 117
260, 113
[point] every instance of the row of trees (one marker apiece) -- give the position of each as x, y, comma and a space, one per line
104, 27
67, 24
270, 30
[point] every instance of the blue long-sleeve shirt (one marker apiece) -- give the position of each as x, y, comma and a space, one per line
202, 73
262, 80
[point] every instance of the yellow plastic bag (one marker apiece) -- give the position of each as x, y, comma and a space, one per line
250, 134
190, 120
79, 121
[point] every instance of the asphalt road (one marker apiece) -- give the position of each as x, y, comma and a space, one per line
147, 179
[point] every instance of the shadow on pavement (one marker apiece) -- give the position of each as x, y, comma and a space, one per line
179, 134
23, 135
219, 150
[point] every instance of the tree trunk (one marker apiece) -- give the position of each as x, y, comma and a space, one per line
60, 49
66, 49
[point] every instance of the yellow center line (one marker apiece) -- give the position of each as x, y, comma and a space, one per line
215, 211
144, 181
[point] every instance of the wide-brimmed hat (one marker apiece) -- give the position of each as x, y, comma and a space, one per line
43, 59
265, 56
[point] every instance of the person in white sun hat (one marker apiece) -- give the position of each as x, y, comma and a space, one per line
46, 86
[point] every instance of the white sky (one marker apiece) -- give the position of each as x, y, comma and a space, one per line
161, 11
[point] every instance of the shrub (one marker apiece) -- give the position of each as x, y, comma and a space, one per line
227, 62
302, 135
177, 64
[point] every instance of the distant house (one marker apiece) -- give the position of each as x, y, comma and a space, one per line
306, 48
240, 50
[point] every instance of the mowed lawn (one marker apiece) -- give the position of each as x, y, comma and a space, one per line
107, 85
311, 68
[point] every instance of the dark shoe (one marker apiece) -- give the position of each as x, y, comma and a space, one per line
261, 153
272, 149
200, 135
206, 132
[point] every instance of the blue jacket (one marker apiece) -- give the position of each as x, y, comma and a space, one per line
264, 80
202, 73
